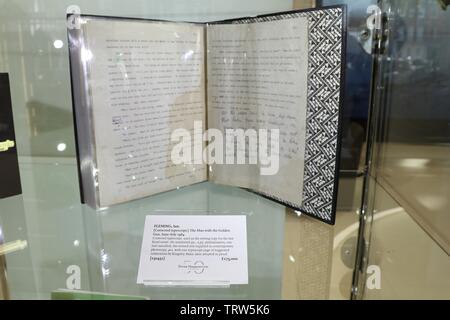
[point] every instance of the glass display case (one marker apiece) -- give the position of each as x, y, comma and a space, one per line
289, 255
393, 187
405, 226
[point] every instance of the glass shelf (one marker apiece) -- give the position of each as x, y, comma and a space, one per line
63, 235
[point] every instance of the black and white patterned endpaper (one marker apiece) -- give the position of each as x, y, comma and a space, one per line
327, 35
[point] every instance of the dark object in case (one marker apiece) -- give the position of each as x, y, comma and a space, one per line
9, 164
444, 4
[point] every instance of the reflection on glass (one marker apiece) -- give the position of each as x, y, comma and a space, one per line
415, 157
411, 221
33, 50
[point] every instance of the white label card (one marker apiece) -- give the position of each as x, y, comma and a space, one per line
194, 250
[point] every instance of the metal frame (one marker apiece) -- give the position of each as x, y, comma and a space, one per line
374, 129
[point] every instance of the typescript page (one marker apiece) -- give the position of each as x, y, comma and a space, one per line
146, 79
257, 79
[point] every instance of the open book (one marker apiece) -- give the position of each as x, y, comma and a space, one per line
146, 90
